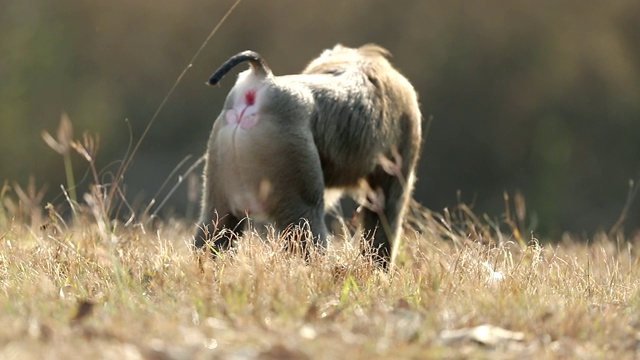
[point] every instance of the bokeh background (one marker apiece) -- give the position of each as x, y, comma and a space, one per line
541, 97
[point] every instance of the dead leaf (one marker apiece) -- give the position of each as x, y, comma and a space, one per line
487, 335
62, 144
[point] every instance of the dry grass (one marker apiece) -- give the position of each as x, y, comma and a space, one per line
93, 290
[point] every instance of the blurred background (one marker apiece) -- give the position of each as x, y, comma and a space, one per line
539, 97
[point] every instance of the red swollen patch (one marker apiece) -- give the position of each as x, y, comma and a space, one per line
250, 97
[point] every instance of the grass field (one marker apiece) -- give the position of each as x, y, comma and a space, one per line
94, 288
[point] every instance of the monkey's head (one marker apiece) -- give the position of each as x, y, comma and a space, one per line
340, 57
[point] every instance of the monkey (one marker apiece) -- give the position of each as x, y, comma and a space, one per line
282, 146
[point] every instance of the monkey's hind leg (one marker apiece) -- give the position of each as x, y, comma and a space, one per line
218, 233
303, 229
388, 198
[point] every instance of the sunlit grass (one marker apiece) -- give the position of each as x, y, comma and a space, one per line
462, 286
71, 291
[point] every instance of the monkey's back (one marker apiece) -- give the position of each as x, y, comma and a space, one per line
359, 96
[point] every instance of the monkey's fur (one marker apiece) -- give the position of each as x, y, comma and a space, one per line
350, 121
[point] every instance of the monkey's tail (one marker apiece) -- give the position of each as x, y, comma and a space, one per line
258, 65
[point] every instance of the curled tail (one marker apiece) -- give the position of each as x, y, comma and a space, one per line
258, 65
